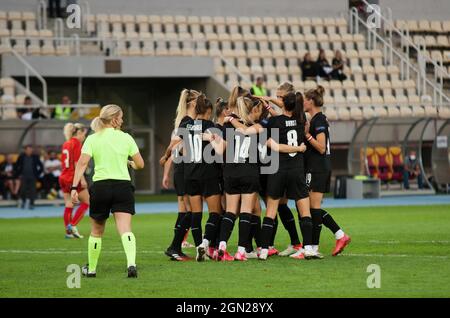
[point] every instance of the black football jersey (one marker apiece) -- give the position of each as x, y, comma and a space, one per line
197, 167
241, 157
178, 167
314, 160
290, 132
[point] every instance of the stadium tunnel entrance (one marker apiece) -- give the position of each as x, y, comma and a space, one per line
379, 146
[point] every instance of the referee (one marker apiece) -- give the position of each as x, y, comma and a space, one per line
112, 190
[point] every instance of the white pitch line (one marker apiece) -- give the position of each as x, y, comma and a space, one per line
408, 242
52, 251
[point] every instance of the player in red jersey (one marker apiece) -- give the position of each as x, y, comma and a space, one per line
71, 150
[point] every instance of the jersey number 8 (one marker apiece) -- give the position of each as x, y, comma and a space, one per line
292, 140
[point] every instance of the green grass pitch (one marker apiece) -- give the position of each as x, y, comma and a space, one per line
410, 244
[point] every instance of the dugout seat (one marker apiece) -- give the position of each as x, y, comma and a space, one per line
396, 160
384, 168
372, 162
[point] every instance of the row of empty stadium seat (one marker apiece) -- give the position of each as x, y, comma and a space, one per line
226, 27
35, 46
424, 26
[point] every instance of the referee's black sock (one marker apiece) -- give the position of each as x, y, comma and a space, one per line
288, 220
306, 229
211, 226
316, 215
196, 227
274, 232
329, 222
267, 232
245, 224
183, 227
227, 226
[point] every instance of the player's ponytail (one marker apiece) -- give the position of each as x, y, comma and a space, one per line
293, 102
186, 96
316, 95
202, 104
245, 106
107, 114
221, 105
68, 130
236, 92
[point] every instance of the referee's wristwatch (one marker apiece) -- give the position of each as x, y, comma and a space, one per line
73, 188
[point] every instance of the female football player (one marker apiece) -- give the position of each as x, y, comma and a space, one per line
75, 134
318, 169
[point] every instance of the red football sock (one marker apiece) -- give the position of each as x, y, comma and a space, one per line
79, 213
67, 216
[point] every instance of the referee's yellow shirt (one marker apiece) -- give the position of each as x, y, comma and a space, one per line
110, 149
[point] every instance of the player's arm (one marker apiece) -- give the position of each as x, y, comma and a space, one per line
240, 127
175, 141
167, 166
216, 141
285, 148
318, 143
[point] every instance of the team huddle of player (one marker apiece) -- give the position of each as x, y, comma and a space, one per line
255, 145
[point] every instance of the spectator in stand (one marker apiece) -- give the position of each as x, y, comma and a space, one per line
52, 171
412, 170
8, 176
64, 110
323, 66
338, 67
258, 89
29, 169
309, 68
27, 111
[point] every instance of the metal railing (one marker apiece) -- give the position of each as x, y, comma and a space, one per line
406, 44
28, 69
406, 66
42, 14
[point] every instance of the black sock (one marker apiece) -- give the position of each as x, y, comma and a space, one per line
329, 222
227, 226
183, 227
215, 243
267, 232
274, 232
177, 227
256, 229
196, 227
306, 229
316, 216
244, 229
211, 226
251, 234
288, 220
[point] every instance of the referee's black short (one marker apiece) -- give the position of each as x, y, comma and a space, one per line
318, 182
179, 182
109, 196
203, 187
241, 185
289, 182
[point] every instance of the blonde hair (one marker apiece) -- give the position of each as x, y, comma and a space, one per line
286, 87
107, 114
186, 96
70, 129
245, 106
236, 92
316, 95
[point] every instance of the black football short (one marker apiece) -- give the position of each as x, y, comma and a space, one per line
179, 182
263, 185
205, 187
318, 182
290, 182
109, 196
240, 185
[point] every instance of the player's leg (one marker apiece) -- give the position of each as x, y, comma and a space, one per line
315, 200
212, 224
288, 220
79, 213
68, 207
255, 231
187, 212
196, 224
268, 226
227, 224
306, 227
245, 221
